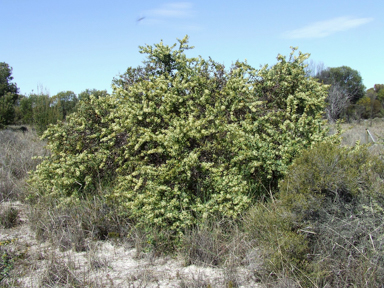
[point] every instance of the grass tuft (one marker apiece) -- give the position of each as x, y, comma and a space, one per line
9, 217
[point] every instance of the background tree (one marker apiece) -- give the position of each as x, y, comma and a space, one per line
85, 95
370, 105
65, 103
8, 95
337, 103
37, 110
349, 81
372, 95
23, 110
5, 80
346, 89
379, 89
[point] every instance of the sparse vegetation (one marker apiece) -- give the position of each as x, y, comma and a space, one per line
58, 272
17, 152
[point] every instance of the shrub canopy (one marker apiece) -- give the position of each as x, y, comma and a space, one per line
182, 138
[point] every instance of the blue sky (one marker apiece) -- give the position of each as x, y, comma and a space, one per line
56, 45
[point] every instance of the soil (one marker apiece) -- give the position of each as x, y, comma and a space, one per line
105, 264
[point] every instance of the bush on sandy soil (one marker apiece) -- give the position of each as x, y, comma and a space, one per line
182, 139
6, 260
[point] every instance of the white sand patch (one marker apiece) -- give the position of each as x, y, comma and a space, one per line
108, 264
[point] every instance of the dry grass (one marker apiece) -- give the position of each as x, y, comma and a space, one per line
77, 226
17, 150
215, 243
9, 216
357, 131
59, 272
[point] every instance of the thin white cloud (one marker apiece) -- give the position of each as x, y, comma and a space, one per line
175, 15
325, 28
173, 10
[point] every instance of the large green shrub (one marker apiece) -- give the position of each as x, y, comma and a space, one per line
182, 138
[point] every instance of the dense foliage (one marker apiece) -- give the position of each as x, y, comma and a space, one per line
182, 138
349, 81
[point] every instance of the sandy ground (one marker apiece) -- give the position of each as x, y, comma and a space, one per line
108, 264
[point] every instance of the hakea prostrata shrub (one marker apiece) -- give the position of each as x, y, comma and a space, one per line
182, 138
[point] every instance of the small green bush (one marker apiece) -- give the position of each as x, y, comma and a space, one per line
182, 138
341, 177
325, 226
282, 250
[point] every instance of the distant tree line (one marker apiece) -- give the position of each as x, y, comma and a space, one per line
348, 98
37, 109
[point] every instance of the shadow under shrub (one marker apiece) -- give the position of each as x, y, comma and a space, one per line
328, 218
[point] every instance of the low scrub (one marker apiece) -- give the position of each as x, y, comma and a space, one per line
324, 228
